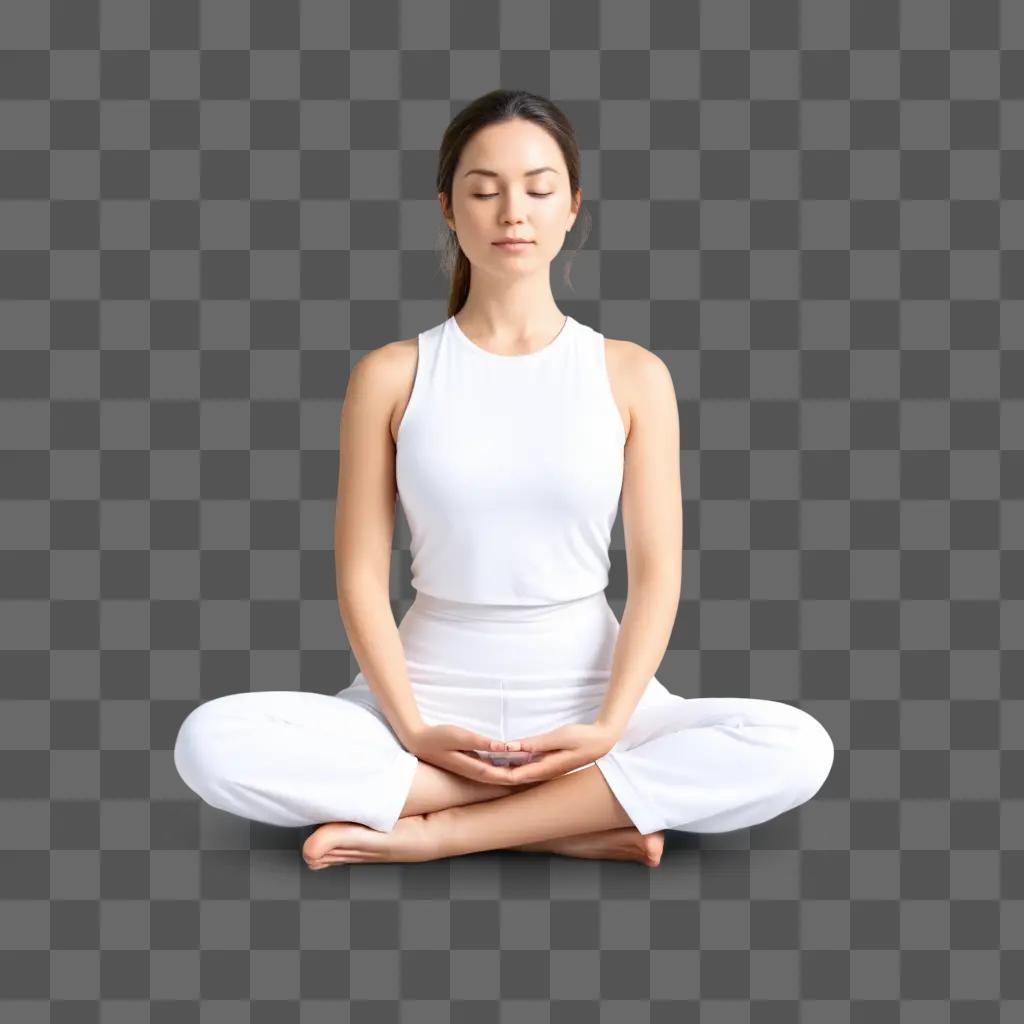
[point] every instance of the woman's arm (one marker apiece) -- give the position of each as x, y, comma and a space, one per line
652, 520
363, 530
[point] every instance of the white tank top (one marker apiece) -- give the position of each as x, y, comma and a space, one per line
509, 468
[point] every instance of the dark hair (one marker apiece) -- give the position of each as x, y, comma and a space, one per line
493, 108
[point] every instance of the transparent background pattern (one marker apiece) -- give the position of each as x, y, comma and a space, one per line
813, 211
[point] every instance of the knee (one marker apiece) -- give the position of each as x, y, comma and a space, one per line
196, 750
814, 755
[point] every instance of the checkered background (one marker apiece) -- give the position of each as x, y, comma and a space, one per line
813, 212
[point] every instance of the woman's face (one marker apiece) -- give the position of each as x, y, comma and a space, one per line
508, 201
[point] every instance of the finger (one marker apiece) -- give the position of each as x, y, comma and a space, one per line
554, 740
539, 768
537, 773
547, 766
545, 756
470, 740
479, 769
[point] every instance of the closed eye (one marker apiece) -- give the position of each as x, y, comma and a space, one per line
491, 195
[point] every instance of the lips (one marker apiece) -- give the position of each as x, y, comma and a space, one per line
514, 241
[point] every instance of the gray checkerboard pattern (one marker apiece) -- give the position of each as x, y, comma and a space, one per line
813, 212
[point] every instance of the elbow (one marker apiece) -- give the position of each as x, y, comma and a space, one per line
656, 570
658, 583
360, 583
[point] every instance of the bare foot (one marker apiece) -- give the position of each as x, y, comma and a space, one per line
348, 842
611, 844
414, 839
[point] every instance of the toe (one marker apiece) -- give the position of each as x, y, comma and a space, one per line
312, 850
315, 848
325, 839
653, 846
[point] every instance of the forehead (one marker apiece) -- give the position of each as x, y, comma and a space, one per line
511, 149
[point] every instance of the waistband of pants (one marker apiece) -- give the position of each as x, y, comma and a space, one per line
468, 611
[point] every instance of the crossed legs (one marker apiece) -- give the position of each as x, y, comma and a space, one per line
437, 815
716, 763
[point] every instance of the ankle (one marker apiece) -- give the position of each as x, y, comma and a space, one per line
443, 830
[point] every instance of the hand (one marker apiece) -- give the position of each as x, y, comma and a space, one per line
452, 747
561, 750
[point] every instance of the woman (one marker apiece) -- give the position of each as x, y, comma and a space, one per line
508, 708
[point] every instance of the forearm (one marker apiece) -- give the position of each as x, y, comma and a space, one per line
647, 621
375, 641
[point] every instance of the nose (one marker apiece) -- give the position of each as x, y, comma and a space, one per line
511, 212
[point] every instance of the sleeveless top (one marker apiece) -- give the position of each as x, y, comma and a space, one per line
509, 468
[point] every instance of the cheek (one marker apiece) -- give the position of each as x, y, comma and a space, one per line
467, 210
477, 224
553, 220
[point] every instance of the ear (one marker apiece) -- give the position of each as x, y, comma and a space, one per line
445, 212
575, 206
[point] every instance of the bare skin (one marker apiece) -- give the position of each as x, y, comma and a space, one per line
439, 820
575, 814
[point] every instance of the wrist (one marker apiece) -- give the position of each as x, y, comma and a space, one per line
408, 732
610, 728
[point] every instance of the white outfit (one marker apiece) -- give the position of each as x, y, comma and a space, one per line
509, 469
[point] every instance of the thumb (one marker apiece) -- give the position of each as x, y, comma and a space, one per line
542, 741
470, 740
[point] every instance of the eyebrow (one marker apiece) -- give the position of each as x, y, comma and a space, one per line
495, 174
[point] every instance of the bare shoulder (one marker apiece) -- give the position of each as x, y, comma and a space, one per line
380, 380
641, 380
382, 361
634, 358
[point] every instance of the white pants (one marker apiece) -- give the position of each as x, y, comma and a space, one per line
292, 758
